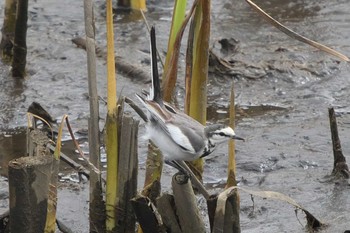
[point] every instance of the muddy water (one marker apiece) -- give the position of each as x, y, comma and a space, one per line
283, 89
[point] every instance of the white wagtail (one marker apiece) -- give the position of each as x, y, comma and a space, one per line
176, 134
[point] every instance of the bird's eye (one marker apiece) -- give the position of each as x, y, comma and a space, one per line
222, 134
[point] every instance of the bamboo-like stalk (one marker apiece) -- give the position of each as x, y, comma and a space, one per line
8, 30
96, 210
231, 171
199, 77
111, 126
138, 4
112, 84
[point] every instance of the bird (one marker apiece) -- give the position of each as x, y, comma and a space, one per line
178, 136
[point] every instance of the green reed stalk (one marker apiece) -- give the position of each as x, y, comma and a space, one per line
231, 170
111, 127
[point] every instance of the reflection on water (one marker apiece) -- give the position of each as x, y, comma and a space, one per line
11, 96
12, 145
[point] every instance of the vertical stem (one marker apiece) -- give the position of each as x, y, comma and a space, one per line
340, 167
8, 30
111, 81
231, 171
138, 4
97, 215
111, 126
20, 44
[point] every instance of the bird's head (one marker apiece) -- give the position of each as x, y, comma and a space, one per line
219, 133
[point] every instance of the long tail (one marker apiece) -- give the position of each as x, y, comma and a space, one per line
155, 92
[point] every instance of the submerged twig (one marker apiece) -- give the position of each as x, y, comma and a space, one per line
295, 35
76, 166
340, 167
124, 67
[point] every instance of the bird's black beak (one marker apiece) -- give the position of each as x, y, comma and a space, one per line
237, 138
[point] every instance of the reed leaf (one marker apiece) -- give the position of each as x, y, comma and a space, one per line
170, 71
312, 222
176, 23
295, 35
59, 139
197, 108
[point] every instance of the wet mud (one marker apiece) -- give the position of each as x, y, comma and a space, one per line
283, 89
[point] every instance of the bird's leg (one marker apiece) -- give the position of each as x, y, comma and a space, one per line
175, 164
183, 168
194, 179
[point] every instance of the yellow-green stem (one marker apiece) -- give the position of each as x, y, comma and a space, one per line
231, 171
138, 4
111, 126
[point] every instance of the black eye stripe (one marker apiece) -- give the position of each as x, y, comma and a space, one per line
220, 133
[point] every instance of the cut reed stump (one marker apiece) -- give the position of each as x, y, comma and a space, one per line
29, 179
32, 185
147, 215
186, 205
154, 166
340, 168
127, 177
166, 208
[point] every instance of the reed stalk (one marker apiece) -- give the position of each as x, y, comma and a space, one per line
96, 204
231, 171
111, 127
138, 4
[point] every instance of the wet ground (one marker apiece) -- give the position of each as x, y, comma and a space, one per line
283, 91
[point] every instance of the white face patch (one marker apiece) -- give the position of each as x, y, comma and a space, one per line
227, 131
222, 135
